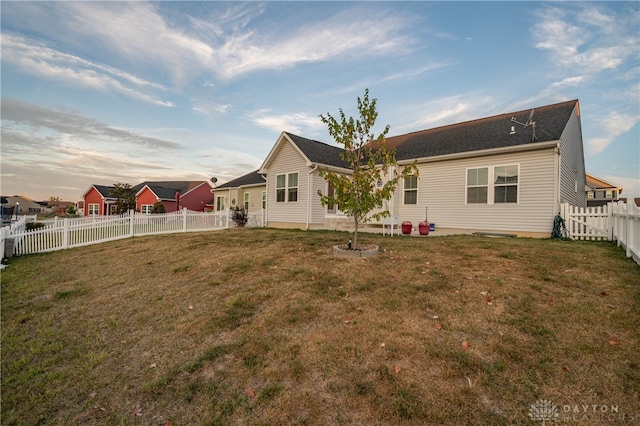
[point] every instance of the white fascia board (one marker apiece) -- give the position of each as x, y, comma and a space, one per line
484, 152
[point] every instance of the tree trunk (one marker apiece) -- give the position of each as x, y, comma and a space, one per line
355, 234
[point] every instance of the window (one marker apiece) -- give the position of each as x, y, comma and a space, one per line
608, 194
219, 203
287, 188
505, 184
411, 190
590, 195
477, 185
264, 200
246, 201
146, 208
331, 208
293, 187
94, 209
281, 192
493, 185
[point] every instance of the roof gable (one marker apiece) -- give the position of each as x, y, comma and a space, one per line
594, 182
101, 189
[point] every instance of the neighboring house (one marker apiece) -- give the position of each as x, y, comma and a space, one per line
248, 191
600, 192
174, 195
507, 173
25, 205
97, 201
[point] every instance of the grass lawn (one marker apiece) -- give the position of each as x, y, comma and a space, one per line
263, 326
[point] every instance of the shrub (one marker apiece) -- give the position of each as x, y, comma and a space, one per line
33, 225
158, 207
240, 216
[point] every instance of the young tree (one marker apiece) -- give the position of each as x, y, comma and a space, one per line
369, 160
125, 198
158, 207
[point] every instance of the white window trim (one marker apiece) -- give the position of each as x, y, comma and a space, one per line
404, 191
148, 208
491, 185
246, 201
93, 211
287, 187
224, 202
336, 207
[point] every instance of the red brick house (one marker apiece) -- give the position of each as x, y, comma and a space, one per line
97, 201
174, 195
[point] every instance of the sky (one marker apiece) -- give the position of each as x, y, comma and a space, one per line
126, 92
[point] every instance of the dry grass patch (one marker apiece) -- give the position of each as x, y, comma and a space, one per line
261, 326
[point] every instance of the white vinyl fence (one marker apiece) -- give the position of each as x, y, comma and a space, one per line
66, 233
616, 221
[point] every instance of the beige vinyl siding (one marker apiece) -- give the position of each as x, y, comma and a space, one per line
226, 193
317, 209
255, 197
288, 160
572, 163
442, 187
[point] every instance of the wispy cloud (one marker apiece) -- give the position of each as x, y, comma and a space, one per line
225, 41
300, 122
34, 58
444, 111
614, 125
64, 121
591, 40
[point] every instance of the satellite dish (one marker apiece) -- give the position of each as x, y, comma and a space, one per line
214, 179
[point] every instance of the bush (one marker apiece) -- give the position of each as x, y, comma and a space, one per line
158, 207
33, 225
240, 216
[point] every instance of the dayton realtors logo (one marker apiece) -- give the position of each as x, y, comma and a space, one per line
544, 410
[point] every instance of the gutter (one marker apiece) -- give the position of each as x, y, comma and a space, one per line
315, 167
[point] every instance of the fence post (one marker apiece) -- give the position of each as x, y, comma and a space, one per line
65, 234
131, 222
3, 236
184, 219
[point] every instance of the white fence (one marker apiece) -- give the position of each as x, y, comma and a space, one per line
616, 221
66, 233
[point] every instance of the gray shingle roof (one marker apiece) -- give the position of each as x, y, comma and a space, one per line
475, 135
104, 190
167, 189
319, 152
252, 178
485, 133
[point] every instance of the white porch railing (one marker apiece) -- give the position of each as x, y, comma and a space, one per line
616, 221
66, 233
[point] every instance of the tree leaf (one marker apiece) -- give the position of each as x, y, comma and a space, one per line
465, 345
250, 393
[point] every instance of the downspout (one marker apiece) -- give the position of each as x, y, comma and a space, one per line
315, 167
558, 186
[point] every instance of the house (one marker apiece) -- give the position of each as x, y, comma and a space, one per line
174, 195
248, 191
97, 201
24, 205
507, 173
600, 192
